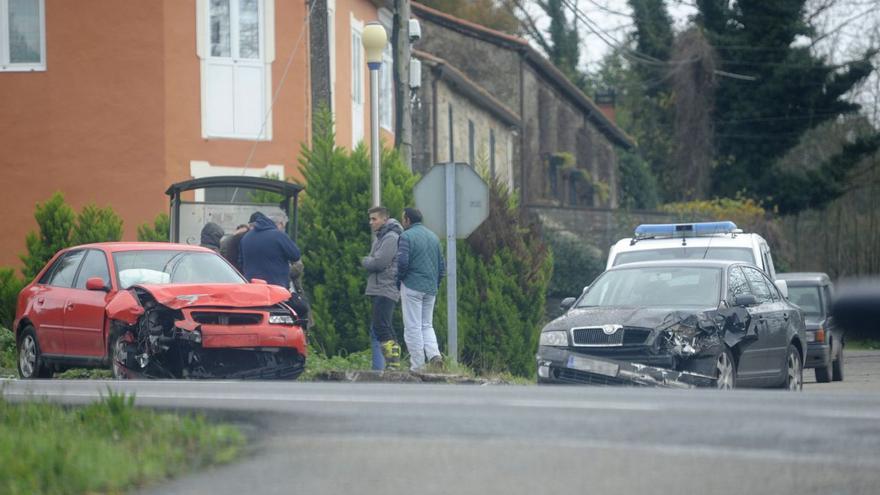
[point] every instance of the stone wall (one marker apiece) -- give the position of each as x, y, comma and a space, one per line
552, 125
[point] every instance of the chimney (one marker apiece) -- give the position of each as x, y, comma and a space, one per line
605, 101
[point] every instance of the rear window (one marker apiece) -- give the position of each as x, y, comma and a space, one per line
686, 253
807, 298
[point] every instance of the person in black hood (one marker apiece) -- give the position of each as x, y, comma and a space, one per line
266, 251
211, 235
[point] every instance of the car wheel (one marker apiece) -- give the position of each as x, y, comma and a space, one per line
30, 358
823, 373
725, 371
119, 354
837, 366
794, 370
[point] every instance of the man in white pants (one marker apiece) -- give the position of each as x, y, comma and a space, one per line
420, 269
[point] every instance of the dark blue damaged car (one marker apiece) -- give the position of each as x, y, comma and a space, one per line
683, 324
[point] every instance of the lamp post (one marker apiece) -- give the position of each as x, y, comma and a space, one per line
375, 39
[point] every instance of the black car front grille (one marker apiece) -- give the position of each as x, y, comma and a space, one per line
596, 336
223, 318
635, 336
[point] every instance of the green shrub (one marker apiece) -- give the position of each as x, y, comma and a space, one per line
638, 185
158, 232
94, 224
503, 271
575, 265
336, 234
8, 354
60, 227
10, 286
55, 220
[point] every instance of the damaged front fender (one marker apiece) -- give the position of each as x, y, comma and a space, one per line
125, 307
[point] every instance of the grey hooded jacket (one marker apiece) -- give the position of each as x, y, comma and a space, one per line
381, 264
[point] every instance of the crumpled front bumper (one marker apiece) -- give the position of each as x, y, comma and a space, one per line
559, 365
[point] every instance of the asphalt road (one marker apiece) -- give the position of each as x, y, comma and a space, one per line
410, 438
861, 374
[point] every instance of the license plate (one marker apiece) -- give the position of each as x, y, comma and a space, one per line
581, 363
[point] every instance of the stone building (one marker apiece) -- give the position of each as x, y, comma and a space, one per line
561, 147
456, 120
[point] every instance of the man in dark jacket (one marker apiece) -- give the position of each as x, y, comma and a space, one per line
266, 251
420, 268
381, 267
211, 235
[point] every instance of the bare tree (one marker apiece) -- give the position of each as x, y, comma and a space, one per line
693, 87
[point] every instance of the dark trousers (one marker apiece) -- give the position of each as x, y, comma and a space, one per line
299, 305
383, 309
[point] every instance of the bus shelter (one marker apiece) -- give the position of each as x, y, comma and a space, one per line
249, 195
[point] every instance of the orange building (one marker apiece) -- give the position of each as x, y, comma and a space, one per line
110, 101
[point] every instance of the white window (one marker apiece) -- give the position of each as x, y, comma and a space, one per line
22, 35
357, 81
199, 169
386, 75
236, 48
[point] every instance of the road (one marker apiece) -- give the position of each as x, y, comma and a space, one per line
861, 374
426, 439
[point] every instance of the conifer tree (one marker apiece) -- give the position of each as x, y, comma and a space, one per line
335, 233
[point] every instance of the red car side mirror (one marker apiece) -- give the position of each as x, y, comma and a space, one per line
258, 281
96, 283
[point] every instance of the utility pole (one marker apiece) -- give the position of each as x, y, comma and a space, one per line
403, 103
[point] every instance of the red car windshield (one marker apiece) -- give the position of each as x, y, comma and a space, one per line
173, 267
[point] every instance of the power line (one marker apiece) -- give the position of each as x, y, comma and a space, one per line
643, 58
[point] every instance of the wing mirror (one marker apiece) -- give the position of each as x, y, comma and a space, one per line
782, 285
258, 281
745, 300
567, 303
97, 283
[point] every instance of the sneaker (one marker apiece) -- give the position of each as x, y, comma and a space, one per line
391, 353
435, 365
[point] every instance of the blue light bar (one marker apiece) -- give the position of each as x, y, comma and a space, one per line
684, 229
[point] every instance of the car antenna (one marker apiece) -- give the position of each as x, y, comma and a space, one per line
709, 244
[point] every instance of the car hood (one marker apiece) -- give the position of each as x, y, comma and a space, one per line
628, 317
178, 296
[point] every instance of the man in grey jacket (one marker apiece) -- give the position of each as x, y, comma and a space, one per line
381, 267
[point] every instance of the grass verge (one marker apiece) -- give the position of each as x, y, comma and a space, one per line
107, 447
863, 344
318, 363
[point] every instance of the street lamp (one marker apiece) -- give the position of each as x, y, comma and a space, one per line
375, 39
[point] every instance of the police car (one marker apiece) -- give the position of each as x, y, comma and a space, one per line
705, 240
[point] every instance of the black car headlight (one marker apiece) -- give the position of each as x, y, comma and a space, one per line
554, 338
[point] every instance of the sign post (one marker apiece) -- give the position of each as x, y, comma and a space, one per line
454, 201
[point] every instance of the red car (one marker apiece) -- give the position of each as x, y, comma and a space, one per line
155, 310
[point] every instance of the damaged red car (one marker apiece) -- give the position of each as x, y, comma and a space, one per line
155, 310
